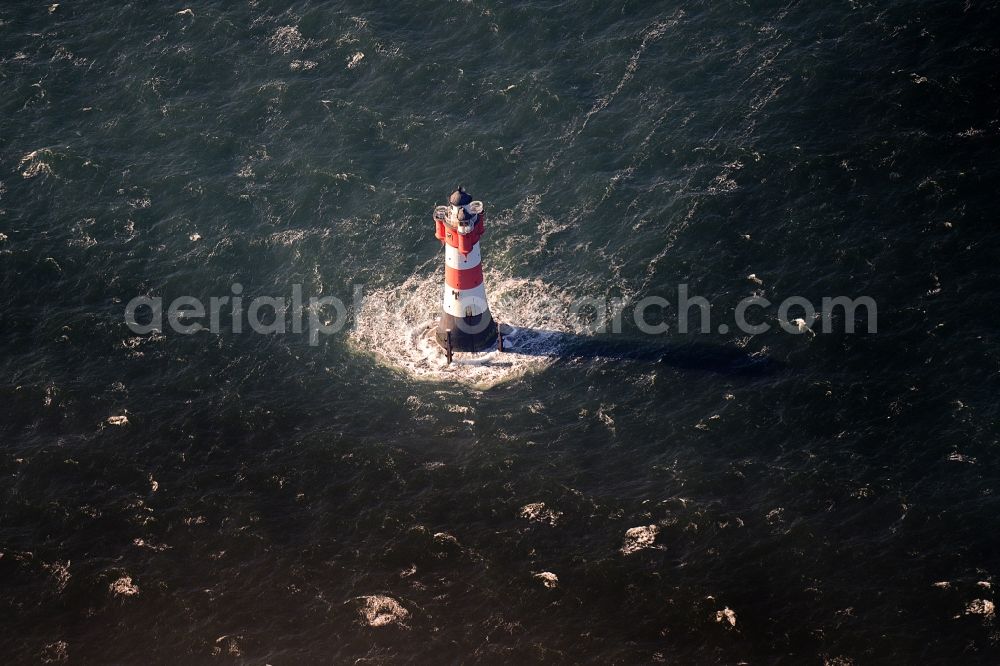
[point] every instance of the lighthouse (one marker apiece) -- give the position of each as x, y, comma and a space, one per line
465, 323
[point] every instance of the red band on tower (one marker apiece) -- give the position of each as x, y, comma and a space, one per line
463, 278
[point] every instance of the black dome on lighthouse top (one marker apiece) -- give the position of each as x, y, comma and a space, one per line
460, 197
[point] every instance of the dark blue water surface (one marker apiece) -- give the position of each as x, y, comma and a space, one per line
803, 499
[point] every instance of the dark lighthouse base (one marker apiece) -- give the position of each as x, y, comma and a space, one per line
476, 333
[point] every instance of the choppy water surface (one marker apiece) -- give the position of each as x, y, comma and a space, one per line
680, 499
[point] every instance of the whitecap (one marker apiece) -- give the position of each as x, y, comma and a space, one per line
286, 39
955, 456
380, 610
60, 572
537, 512
548, 579
231, 643
124, 587
34, 165
444, 537
726, 615
638, 538
982, 607
55, 653
355, 60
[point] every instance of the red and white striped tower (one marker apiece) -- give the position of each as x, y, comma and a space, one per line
465, 324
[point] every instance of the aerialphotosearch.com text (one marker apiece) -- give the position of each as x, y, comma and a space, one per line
318, 316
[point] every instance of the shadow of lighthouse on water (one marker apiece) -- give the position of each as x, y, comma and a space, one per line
694, 356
